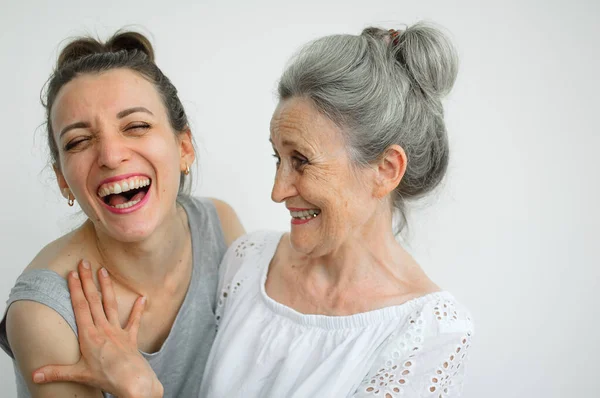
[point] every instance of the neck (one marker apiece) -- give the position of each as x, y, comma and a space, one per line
369, 254
145, 266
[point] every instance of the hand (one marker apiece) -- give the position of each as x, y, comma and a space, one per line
110, 359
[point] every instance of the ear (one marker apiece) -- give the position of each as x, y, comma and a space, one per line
390, 169
186, 149
62, 183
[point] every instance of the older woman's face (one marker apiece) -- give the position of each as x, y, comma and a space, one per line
329, 201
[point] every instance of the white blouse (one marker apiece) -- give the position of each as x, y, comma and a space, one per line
265, 349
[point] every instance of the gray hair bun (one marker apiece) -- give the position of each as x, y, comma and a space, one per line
429, 57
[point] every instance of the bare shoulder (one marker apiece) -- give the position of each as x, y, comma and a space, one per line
63, 254
413, 284
39, 336
230, 223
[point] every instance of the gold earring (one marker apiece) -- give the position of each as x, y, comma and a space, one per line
67, 194
187, 170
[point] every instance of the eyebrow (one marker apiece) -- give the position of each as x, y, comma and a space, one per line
120, 115
77, 125
129, 111
285, 142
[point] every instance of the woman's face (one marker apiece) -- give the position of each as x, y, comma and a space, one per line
118, 153
329, 200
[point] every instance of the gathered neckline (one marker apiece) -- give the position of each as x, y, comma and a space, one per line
358, 320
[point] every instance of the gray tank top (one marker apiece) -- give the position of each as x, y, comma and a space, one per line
180, 362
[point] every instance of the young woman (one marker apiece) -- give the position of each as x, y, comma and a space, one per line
122, 148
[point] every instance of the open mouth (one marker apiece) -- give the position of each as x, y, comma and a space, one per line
124, 193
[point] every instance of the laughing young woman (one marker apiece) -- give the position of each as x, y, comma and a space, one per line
122, 148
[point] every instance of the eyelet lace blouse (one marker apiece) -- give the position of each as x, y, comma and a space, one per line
266, 349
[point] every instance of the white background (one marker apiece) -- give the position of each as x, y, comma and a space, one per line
513, 233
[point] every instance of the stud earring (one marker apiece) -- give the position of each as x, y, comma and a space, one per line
187, 170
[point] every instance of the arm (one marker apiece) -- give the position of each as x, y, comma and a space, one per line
230, 223
110, 359
38, 335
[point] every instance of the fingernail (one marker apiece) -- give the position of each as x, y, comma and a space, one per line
104, 272
85, 264
38, 377
75, 274
144, 300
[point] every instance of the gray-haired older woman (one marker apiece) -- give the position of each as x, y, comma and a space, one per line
337, 307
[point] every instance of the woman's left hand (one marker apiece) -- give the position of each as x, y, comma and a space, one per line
110, 359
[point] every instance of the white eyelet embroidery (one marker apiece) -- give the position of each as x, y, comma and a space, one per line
243, 248
444, 379
391, 380
223, 299
401, 361
445, 311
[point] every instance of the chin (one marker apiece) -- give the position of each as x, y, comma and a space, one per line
302, 244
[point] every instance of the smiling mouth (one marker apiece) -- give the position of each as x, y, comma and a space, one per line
125, 193
305, 214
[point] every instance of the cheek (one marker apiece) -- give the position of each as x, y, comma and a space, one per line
160, 151
349, 199
74, 170
323, 183
167, 147
167, 164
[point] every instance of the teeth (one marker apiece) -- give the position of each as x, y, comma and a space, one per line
123, 186
305, 214
127, 204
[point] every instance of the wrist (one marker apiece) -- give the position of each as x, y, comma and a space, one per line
157, 389
144, 388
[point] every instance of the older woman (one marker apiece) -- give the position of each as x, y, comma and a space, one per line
121, 147
336, 307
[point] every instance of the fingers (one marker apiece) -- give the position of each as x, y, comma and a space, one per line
109, 300
133, 324
91, 293
83, 316
54, 373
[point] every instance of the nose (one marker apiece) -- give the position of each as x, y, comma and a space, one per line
284, 186
112, 151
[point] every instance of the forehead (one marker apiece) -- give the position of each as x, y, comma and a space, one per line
297, 121
108, 92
